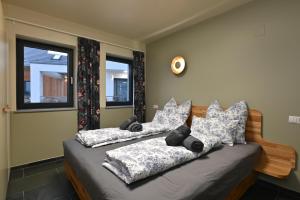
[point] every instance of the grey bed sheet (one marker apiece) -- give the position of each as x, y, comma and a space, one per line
210, 177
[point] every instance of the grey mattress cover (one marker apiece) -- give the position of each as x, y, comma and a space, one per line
210, 177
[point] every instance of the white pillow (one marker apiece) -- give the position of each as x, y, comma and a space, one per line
175, 120
170, 106
171, 121
238, 111
224, 129
173, 115
160, 117
183, 109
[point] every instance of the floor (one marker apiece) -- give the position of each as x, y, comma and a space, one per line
43, 181
262, 190
47, 181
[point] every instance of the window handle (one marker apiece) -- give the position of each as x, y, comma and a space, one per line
71, 80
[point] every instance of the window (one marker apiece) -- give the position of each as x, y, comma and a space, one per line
44, 75
118, 81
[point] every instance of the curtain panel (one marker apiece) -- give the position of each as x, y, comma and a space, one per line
88, 81
139, 85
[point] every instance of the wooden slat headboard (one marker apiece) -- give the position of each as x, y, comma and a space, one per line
276, 160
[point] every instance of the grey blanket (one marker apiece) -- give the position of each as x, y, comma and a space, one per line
143, 159
209, 177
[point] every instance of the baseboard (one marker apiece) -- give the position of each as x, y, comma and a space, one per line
37, 163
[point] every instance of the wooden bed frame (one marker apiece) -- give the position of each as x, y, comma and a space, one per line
276, 160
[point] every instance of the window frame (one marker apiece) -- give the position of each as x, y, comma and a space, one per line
130, 78
20, 90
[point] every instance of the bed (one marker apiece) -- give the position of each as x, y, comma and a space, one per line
225, 173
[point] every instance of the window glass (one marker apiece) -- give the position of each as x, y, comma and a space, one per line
118, 81
44, 74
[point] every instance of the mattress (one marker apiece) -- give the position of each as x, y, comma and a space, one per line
210, 177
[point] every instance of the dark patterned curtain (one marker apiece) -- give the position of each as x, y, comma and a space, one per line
139, 85
88, 84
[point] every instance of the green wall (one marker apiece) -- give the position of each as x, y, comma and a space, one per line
39, 135
113, 117
250, 53
4, 157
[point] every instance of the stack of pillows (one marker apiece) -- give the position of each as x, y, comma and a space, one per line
173, 115
228, 125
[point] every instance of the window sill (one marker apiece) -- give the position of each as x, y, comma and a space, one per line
118, 107
45, 110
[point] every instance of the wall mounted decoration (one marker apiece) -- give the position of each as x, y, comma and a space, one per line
178, 65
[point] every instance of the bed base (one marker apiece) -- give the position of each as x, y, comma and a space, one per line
235, 194
276, 160
238, 191
77, 185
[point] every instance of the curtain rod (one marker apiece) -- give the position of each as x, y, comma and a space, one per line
68, 33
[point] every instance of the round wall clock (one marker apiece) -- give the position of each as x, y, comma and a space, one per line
178, 65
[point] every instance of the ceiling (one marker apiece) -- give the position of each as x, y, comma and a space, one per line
144, 20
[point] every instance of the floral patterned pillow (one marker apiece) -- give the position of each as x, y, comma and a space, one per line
175, 120
173, 115
172, 121
238, 111
170, 106
224, 129
160, 117
183, 109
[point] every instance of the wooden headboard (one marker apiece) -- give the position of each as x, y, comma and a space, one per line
276, 160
